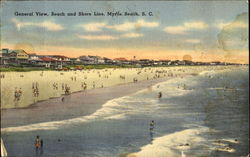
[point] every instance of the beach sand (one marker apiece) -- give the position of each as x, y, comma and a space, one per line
74, 105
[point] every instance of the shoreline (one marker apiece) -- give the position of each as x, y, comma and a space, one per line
85, 102
219, 143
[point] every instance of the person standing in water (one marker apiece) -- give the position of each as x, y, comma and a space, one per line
37, 144
152, 125
41, 146
159, 95
151, 129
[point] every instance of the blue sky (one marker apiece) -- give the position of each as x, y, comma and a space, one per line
176, 28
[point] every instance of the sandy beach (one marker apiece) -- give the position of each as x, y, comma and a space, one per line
52, 84
77, 104
201, 113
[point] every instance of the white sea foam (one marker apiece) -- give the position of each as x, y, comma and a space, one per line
172, 145
117, 108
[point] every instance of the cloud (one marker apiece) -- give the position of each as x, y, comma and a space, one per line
110, 37
175, 30
185, 27
93, 27
51, 26
126, 26
193, 41
97, 37
132, 35
231, 25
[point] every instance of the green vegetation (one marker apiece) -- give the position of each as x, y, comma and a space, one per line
99, 66
69, 67
20, 69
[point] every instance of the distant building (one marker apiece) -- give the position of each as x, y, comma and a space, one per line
216, 63
87, 60
164, 62
92, 59
14, 56
47, 62
97, 59
74, 61
1, 57
181, 63
122, 60
188, 62
146, 62
59, 58
34, 59
108, 60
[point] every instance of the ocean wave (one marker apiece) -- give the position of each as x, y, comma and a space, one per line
174, 144
117, 108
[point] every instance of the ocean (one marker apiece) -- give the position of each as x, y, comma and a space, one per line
197, 115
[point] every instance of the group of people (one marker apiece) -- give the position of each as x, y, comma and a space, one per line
2, 76
184, 86
135, 80
67, 89
55, 86
17, 94
35, 89
122, 77
84, 85
73, 78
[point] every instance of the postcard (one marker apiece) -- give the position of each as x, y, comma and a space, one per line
124, 78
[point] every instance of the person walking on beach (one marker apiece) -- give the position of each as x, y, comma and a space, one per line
16, 95
37, 144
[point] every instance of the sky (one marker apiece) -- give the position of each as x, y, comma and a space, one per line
204, 30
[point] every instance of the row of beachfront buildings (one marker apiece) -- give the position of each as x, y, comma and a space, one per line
20, 57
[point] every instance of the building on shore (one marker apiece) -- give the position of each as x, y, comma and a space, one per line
14, 57
23, 59
91, 60
121, 60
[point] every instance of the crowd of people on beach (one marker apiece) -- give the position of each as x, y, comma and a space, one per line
66, 88
86, 79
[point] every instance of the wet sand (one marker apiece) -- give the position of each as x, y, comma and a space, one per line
74, 105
